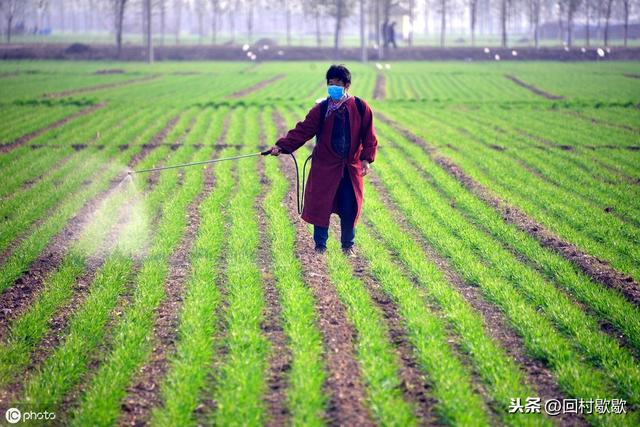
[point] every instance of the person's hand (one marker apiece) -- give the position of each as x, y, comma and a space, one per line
365, 167
275, 150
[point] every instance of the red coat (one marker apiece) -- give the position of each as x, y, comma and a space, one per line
327, 165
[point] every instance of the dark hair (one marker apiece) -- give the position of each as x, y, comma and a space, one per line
339, 72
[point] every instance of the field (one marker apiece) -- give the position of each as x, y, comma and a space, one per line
498, 255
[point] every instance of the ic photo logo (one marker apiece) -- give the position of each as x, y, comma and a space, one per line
13, 415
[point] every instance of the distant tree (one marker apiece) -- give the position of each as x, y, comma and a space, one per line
149, 36
587, 14
11, 9
560, 5
412, 8
473, 15
504, 16
607, 17
286, 4
340, 10
163, 19
572, 7
119, 7
427, 6
249, 6
201, 8
42, 10
314, 9
534, 18
443, 20
215, 13
625, 9
177, 8
363, 40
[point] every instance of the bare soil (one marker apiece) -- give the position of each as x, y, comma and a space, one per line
414, 384
257, 86
532, 88
99, 87
280, 357
380, 91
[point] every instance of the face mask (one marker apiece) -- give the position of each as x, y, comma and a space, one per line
335, 92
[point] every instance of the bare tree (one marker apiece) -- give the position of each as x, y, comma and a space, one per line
201, 9
314, 9
363, 41
572, 7
177, 7
12, 9
607, 17
534, 10
427, 5
587, 14
163, 19
215, 12
148, 32
625, 6
340, 10
443, 20
560, 6
411, 21
287, 18
119, 21
473, 14
503, 21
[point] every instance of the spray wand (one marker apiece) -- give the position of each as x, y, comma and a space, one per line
299, 199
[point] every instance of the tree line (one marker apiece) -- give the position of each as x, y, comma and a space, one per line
158, 16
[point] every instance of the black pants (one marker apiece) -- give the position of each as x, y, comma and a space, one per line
347, 208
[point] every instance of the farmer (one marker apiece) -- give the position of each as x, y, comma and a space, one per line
346, 145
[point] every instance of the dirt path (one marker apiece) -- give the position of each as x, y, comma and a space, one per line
31, 135
100, 87
496, 324
17, 298
597, 269
256, 87
144, 394
380, 91
532, 88
343, 386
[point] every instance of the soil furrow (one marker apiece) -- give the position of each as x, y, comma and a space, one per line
496, 324
99, 87
380, 91
256, 87
272, 326
58, 324
413, 382
347, 401
31, 135
280, 357
532, 88
599, 270
599, 121
144, 394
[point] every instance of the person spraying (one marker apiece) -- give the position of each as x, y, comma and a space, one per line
346, 145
